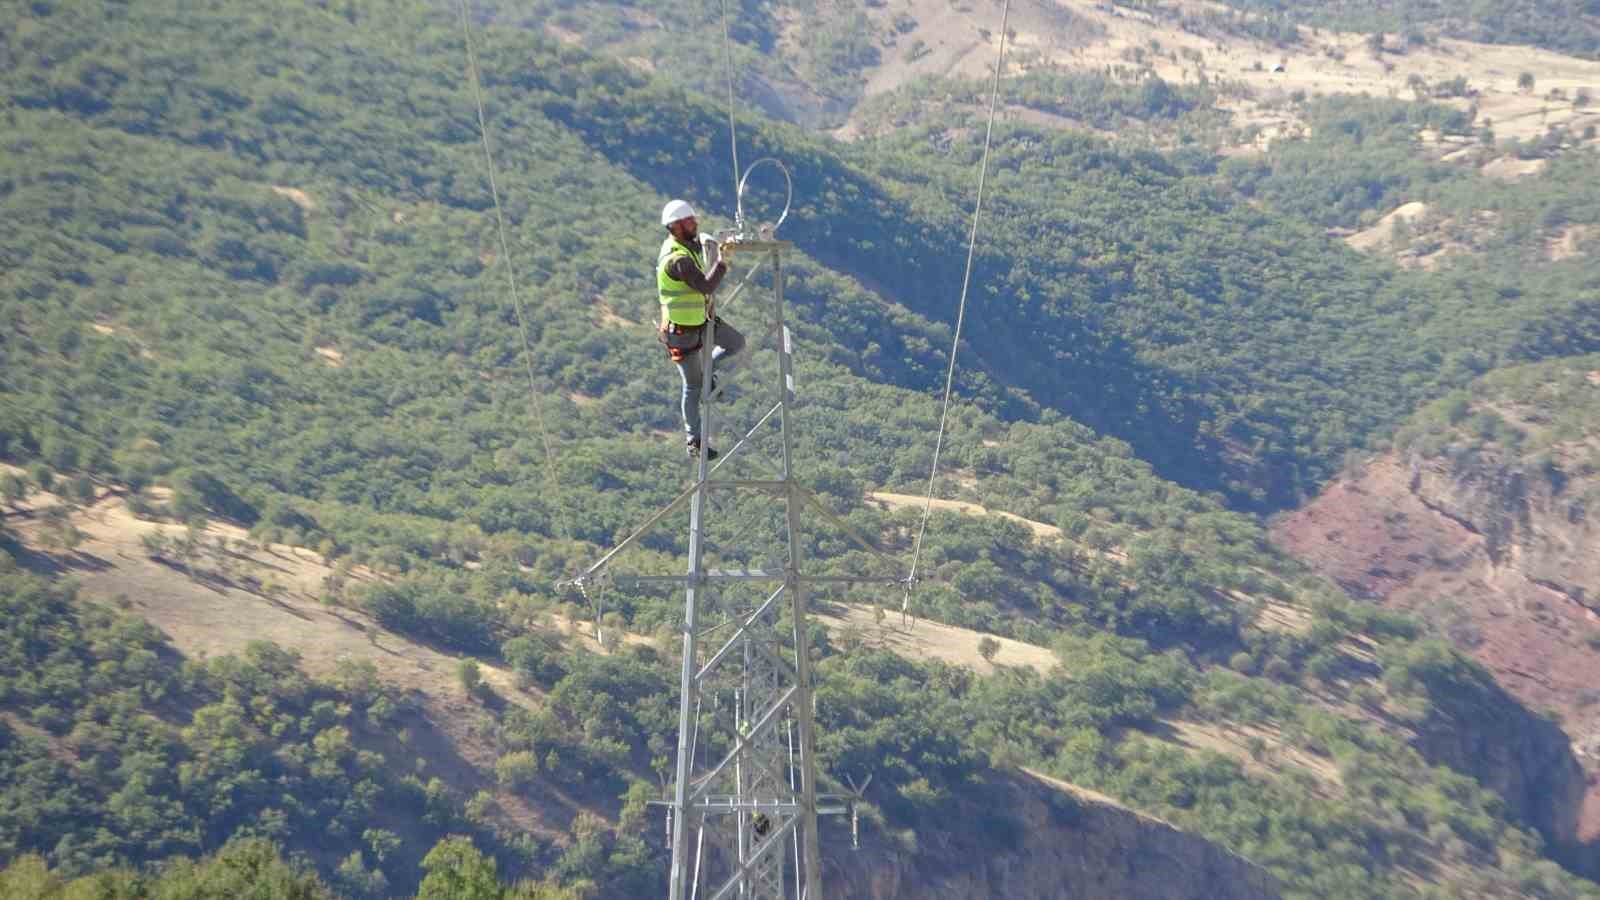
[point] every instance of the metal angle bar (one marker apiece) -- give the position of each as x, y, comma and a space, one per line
849, 529
711, 808
739, 288
776, 661
712, 575
726, 803
688, 689
753, 484
639, 532
699, 856
848, 579
734, 639
775, 839
710, 803
703, 784
786, 348
753, 245
727, 375
756, 575
747, 435
738, 748
812, 859
679, 500
759, 343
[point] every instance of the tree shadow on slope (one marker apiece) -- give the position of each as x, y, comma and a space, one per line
847, 222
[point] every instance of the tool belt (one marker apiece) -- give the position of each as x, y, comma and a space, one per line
682, 340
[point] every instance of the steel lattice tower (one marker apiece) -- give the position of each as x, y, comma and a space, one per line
744, 814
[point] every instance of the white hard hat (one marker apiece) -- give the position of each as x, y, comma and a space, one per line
675, 210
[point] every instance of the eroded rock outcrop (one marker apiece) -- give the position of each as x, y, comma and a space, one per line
1499, 555
1036, 837
1534, 519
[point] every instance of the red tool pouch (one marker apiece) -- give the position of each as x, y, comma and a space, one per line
682, 340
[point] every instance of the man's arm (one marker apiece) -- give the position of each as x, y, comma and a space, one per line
684, 269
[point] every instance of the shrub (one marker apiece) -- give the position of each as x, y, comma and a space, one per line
516, 770
536, 657
471, 676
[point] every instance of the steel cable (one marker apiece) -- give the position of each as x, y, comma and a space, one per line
961, 312
511, 278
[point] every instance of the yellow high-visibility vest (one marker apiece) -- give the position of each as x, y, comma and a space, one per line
685, 305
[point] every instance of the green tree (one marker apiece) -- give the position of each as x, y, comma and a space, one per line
246, 869
987, 648
470, 675
1525, 82
13, 490
458, 871
82, 489
41, 476
517, 769
382, 841
528, 890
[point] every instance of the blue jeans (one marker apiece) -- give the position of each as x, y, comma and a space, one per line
729, 342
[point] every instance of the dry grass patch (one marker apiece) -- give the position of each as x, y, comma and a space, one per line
1510, 168
1381, 234
247, 592
1276, 616
1569, 243
270, 593
889, 500
297, 197
609, 317
1259, 749
922, 639
1090, 36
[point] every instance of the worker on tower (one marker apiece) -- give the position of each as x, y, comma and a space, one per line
685, 290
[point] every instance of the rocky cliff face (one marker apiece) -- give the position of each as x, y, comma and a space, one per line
1533, 519
1499, 555
1055, 842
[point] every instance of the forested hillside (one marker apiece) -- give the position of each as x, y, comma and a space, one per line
251, 274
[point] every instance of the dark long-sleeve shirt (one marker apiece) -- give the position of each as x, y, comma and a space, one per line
687, 271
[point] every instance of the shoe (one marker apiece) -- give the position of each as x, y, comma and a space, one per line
694, 451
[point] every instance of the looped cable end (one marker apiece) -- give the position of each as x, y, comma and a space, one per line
766, 231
